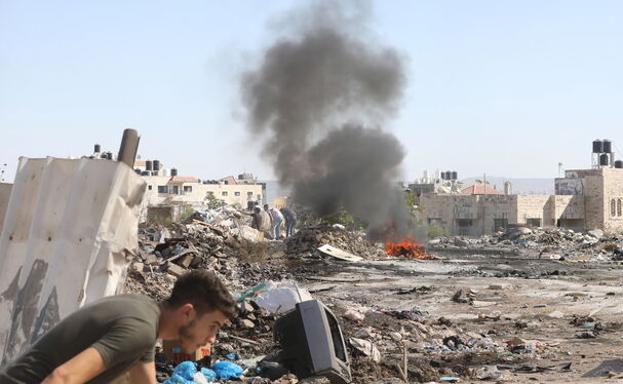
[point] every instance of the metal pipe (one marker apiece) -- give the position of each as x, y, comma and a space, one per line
129, 147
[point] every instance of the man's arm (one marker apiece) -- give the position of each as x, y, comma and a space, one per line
80, 369
143, 372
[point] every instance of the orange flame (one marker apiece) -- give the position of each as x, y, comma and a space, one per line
406, 248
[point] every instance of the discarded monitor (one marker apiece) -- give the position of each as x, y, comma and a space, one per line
312, 343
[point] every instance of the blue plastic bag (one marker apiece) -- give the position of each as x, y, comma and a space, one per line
232, 356
209, 374
226, 370
186, 369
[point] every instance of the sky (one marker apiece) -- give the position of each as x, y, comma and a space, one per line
507, 88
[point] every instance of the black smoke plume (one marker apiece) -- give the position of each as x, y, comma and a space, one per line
320, 95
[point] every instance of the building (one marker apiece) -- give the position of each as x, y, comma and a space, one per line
166, 187
480, 188
477, 215
584, 199
188, 189
602, 192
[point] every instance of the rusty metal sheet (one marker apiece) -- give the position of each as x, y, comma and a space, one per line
68, 230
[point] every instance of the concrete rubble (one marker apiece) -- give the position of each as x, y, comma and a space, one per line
467, 315
549, 243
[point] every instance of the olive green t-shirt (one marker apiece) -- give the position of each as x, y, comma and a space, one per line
123, 329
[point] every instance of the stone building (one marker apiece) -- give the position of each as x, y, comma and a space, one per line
584, 199
602, 192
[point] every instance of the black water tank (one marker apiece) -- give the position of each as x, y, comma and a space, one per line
97, 148
455, 175
607, 146
156, 165
618, 164
148, 165
145, 173
443, 175
604, 159
448, 175
173, 171
598, 146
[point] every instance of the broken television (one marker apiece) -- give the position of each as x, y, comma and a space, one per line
312, 342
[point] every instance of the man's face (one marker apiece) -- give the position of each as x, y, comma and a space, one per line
198, 331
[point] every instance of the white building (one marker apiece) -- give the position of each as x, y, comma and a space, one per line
189, 189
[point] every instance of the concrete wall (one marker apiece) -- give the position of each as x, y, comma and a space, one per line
594, 199
613, 193
496, 209
530, 208
467, 215
487, 213
5, 194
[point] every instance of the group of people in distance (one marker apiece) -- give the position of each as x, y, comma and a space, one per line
270, 219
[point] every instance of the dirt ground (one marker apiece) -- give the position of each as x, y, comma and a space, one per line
511, 296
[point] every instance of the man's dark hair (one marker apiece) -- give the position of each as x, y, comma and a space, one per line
204, 290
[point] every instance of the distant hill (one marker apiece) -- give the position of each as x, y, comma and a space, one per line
519, 186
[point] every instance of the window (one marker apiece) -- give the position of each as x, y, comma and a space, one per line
188, 188
500, 224
236, 193
176, 190
163, 189
224, 193
618, 207
534, 222
149, 187
613, 208
249, 195
210, 193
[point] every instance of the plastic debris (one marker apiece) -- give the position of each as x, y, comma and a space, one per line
209, 374
186, 369
282, 296
226, 370
232, 356
199, 378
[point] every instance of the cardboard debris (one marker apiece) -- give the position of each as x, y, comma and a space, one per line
339, 254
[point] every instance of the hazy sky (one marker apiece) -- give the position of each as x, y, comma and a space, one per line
509, 88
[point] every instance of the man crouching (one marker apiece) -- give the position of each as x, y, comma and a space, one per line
118, 334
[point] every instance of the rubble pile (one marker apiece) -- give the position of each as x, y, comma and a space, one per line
237, 253
552, 243
386, 343
305, 242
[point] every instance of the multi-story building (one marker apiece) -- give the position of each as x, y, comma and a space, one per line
584, 199
189, 189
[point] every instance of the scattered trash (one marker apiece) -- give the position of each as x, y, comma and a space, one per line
367, 348
353, 315
464, 296
338, 253
280, 297
226, 370
488, 372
